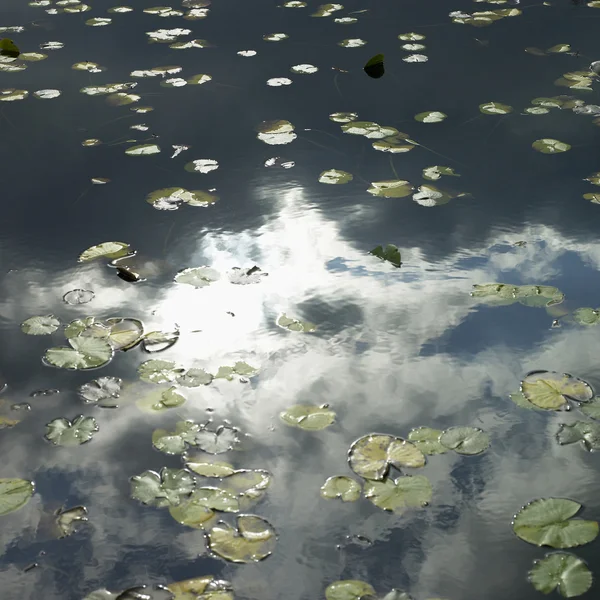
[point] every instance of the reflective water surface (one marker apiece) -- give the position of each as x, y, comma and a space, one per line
394, 348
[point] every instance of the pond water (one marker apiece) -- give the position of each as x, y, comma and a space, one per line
226, 171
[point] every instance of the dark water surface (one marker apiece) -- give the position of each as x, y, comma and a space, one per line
394, 348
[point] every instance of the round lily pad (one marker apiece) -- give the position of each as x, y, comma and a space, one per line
335, 176
103, 391
248, 483
159, 371
495, 108
62, 432
158, 341
560, 571
110, 250
310, 418
430, 116
218, 441
292, 324
548, 522
84, 353
170, 487
550, 146
349, 589
194, 378
124, 333
210, 469
340, 486
587, 316
427, 440
392, 188
586, 432
399, 494
160, 400
465, 440
591, 408
44, 325
202, 588
197, 277
176, 442
253, 540
551, 390
192, 512
78, 296
14, 494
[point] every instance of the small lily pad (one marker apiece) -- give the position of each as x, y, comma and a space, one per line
62, 432
349, 589
110, 250
158, 341
124, 333
252, 541
194, 377
374, 67
176, 442
389, 253
587, 316
44, 325
520, 400
78, 296
591, 408
192, 512
247, 484
335, 176
548, 522
427, 440
566, 573
161, 400
372, 455
197, 277
202, 588
68, 520
294, 324
397, 495
169, 488
210, 468
550, 146
84, 353
340, 486
550, 390
431, 116
240, 368
391, 188
588, 433
103, 391
434, 173
217, 442
495, 108
310, 418
465, 440
143, 150
14, 494
245, 276
159, 371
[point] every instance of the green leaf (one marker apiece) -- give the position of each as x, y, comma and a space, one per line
335, 177
217, 499
249, 483
427, 440
210, 468
550, 390
169, 488
586, 432
389, 253
550, 146
430, 116
103, 391
67, 520
62, 432
84, 353
308, 417
465, 440
253, 540
561, 571
495, 108
143, 150
391, 188
192, 512
397, 495
292, 324
44, 325
434, 173
175, 442
591, 408
202, 588
587, 316
158, 341
159, 371
14, 494
547, 522
9, 48
349, 589
520, 400
218, 441
194, 378
340, 486
197, 277
124, 333
371, 455
374, 67
110, 250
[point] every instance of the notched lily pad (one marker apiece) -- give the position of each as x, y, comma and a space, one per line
427, 440
202, 588
62, 432
43, 325
349, 589
308, 417
176, 442
103, 391
218, 441
110, 250
374, 67
588, 433
84, 353
161, 400
389, 253
158, 341
194, 377
391, 188
170, 487
197, 277
563, 572
14, 494
550, 146
335, 177
550, 390
340, 486
396, 495
68, 520
465, 440
159, 371
291, 324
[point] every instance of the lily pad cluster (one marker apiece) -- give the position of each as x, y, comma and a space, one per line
550, 522
308, 417
355, 589
502, 294
190, 434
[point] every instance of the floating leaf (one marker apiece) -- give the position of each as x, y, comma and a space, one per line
374, 67
143, 150
124, 333
371, 455
239, 368
581, 431
340, 486
158, 341
209, 468
465, 440
248, 484
9, 48
395, 144
14, 494
239, 276
495, 108
528, 295
172, 198
218, 441
169, 488
78, 296
68, 520
253, 540
397, 495
103, 391
343, 117
430, 116
349, 589
436, 172
304, 69
161, 400
566, 573
587, 316
194, 378
548, 522
202, 165
550, 390
202, 588
294, 324
62, 432
40, 325
110, 250
591, 408
550, 146
389, 253
427, 440
520, 400
159, 371
310, 418
335, 177
176, 442
84, 353
197, 276
391, 188
192, 512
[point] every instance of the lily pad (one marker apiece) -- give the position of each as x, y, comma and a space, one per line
44, 325
375, 67
219, 441
125, 333
550, 390
240, 368
78, 296
389, 253
161, 400
430, 116
246, 276
495, 108
84, 353
103, 391
14, 494
566, 573
294, 324
349, 589
176, 442
588, 433
143, 150
9, 48
247, 484
397, 495
110, 250
434, 173
310, 418
591, 408
192, 512
62, 432
340, 486
550, 146
465, 440
391, 188
208, 468
520, 400
169, 488
158, 341
528, 295
68, 520
159, 371
202, 588
335, 177
587, 316
197, 277
372, 455
548, 522
427, 440
252, 541
194, 377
